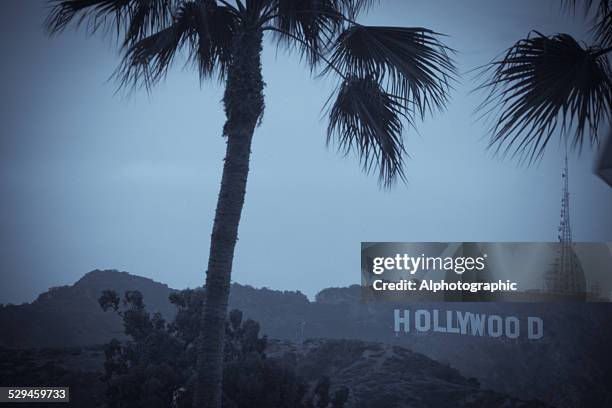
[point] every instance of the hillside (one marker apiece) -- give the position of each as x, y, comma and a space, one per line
385, 376
68, 316
573, 352
378, 375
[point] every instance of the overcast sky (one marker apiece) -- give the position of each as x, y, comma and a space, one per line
92, 179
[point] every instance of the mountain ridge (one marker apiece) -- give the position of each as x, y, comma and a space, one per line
573, 350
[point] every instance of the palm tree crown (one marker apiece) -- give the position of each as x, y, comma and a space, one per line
387, 75
547, 84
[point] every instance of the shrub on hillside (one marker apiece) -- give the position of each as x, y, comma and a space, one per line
156, 367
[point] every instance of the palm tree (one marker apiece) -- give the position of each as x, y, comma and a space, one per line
388, 76
547, 85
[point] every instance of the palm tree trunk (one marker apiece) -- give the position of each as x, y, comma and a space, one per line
243, 101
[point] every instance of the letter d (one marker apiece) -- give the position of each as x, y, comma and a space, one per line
535, 328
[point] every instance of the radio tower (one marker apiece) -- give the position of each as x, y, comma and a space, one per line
565, 227
563, 276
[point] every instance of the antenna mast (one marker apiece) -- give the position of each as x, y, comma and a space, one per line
563, 277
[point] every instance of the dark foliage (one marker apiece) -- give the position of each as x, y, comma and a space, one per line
45, 367
156, 367
412, 63
599, 13
548, 85
366, 118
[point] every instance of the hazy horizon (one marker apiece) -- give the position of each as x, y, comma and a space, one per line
91, 179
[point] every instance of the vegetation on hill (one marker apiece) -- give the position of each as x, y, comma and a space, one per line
74, 367
573, 351
156, 367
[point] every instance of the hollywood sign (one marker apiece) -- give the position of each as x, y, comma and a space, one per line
467, 323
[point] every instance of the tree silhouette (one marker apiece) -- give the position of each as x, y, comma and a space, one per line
388, 76
547, 84
155, 366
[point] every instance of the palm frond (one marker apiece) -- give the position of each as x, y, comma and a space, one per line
411, 62
368, 120
603, 168
313, 22
600, 14
542, 85
63, 12
602, 28
134, 18
254, 9
211, 42
352, 8
145, 17
204, 29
